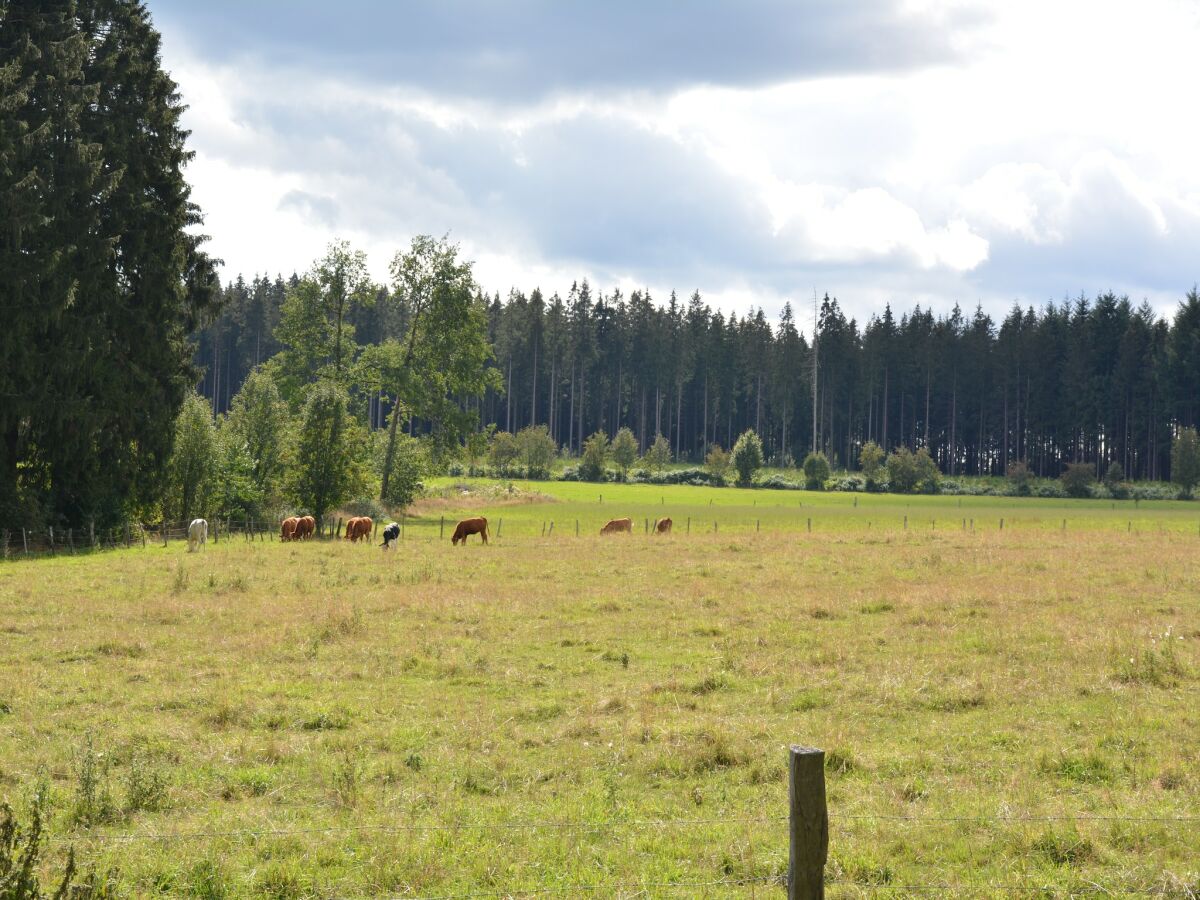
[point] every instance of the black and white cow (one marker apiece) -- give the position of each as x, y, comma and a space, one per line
391, 533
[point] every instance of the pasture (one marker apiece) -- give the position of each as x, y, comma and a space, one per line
1005, 711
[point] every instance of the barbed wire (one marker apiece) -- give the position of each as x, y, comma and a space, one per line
591, 888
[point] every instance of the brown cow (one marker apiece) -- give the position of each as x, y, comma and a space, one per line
305, 528
359, 528
618, 525
468, 527
287, 531
663, 526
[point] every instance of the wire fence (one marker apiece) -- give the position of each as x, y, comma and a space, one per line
651, 885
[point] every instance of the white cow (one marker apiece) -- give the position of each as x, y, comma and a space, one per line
197, 534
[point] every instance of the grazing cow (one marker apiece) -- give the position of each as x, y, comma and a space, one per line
468, 527
663, 526
305, 528
390, 533
618, 525
359, 528
287, 531
197, 534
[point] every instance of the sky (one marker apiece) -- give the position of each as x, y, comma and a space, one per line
881, 151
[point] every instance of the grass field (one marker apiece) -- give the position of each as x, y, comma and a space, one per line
1005, 711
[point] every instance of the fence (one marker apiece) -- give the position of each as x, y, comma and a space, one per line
20, 542
808, 837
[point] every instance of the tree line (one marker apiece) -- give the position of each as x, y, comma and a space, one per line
1097, 380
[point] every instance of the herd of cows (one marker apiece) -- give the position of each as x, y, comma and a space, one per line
360, 528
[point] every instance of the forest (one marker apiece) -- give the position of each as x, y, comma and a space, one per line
1098, 380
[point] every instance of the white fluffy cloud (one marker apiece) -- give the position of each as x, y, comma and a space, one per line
1033, 154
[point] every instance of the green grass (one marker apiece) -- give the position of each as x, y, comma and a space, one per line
320, 719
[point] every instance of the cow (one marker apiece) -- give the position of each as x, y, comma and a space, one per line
468, 527
287, 530
662, 526
197, 535
390, 533
305, 528
618, 525
359, 528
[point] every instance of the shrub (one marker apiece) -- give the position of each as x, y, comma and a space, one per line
658, 457
1185, 461
1078, 479
624, 450
1020, 479
871, 459
778, 483
595, 455
909, 472
537, 450
503, 453
816, 471
747, 457
717, 462
851, 483
410, 464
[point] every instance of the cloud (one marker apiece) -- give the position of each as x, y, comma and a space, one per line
521, 51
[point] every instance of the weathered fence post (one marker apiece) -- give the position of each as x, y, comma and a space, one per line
576, 528
92, 532
6, 543
906, 523
645, 526
856, 503
715, 529
499, 528
25, 541
338, 533
71, 540
442, 528
810, 526
689, 525
51, 540
757, 525
1001, 524
543, 527
808, 824
551, 531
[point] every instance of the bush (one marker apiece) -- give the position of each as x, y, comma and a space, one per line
1078, 479
658, 457
871, 459
693, 476
778, 483
909, 472
537, 450
410, 465
816, 471
747, 457
717, 463
624, 448
1020, 479
1185, 461
595, 455
850, 483
503, 453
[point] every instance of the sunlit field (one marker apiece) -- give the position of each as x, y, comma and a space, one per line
1005, 710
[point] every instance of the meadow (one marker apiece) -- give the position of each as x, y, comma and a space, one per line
1006, 711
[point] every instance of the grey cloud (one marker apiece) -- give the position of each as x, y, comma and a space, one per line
322, 209
527, 49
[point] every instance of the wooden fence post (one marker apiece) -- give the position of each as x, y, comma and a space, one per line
499, 528
1001, 524
25, 541
6, 543
757, 526
689, 525
442, 528
92, 532
810, 526
551, 532
715, 529
51, 540
906, 523
71, 540
543, 527
808, 824
576, 528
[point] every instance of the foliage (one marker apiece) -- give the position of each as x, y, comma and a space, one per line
444, 351
909, 472
717, 462
20, 852
102, 277
192, 471
691, 475
624, 451
871, 459
595, 456
410, 465
329, 446
503, 453
747, 457
257, 429
816, 471
537, 450
1020, 479
475, 448
1185, 461
778, 483
1078, 479
658, 456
